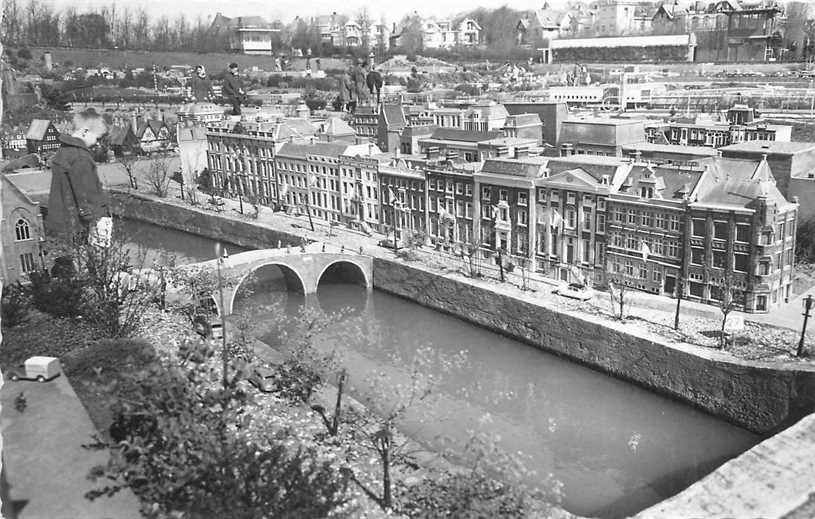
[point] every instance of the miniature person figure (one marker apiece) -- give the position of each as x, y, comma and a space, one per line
317, 62
359, 83
77, 205
374, 81
346, 96
277, 67
201, 85
233, 89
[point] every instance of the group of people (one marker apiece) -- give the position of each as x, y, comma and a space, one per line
359, 85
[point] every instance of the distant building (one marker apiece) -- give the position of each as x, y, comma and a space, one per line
153, 136
13, 144
669, 154
714, 134
365, 122
192, 150
543, 24
599, 136
335, 129
391, 123
551, 114
246, 34
451, 204
615, 49
122, 140
201, 113
444, 34
42, 137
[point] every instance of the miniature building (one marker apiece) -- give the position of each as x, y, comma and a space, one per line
22, 225
599, 136
246, 34
42, 137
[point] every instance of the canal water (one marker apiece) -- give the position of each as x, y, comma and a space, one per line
616, 447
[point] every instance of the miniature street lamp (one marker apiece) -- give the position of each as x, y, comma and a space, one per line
808, 300
221, 255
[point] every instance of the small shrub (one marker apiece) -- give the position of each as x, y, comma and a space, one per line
109, 357
15, 304
58, 296
44, 335
407, 254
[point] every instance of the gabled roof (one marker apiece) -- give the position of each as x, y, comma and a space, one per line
154, 125
118, 134
38, 129
194, 133
34, 185
454, 134
738, 183
301, 151
510, 167
577, 178
394, 116
337, 127
301, 126
551, 17
670, 183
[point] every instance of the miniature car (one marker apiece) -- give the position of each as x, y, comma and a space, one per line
260, 379
388, 244
575, 291
40, 369
206, 327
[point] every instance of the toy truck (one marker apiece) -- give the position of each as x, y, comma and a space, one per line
37, 368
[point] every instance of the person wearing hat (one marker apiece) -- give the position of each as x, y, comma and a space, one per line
233, 89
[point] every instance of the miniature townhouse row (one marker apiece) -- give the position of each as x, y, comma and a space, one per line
657, 228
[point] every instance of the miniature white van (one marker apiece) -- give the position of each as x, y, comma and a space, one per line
37, 368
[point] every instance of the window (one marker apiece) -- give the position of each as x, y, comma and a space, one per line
674, 222
741, 262
570, 218
587, 219
697, 289
460, 208
432, 184
619, 215
698, 227
601, 223
764, 268
468, 190
570, 198
646, 219
629, 268
743, 233
660, 221
449, 187
720, 230
643, 272
632, 216
586, 250
697, 256
767, 238
719, 259
459, 188
503, 195
27, 262
468, 210
523, 199
601, 204
22, 231
486, 193
523, 217
542, 196
761, 303
656, 276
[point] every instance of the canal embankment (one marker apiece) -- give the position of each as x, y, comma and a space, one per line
761, 396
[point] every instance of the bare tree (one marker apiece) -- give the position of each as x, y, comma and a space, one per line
619, 290
365, 23
727, 292
158, 175
129, 162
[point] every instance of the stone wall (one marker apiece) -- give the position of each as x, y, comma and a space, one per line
216, 226
761, 397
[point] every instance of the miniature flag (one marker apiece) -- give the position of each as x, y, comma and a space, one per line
645, 250
495, 212
395, 200
284, 190
312, 180
557, 220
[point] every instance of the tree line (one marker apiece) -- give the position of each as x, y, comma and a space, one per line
38, 23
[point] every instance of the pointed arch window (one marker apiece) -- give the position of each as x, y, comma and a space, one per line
22, 230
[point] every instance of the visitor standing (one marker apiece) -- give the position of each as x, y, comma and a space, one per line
77, 205
200, 85
233, 89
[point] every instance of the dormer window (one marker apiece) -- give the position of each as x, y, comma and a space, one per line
646, 192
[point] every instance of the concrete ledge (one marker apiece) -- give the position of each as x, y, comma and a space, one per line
773, 479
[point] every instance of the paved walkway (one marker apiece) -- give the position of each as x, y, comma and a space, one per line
46, 466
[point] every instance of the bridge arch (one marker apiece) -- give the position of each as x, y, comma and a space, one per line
346, 268
293, 279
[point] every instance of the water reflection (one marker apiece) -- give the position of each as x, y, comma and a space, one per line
616, 447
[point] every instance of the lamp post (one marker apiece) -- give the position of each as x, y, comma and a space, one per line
221, 255
808, 300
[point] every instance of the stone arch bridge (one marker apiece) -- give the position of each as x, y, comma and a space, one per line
302, 269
